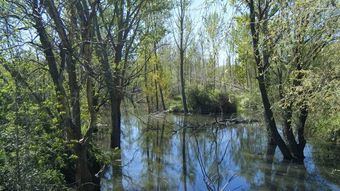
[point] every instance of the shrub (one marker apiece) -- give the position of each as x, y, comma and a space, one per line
206, 101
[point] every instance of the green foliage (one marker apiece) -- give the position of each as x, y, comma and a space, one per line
205, 101
249, 102
31, 148
175, 104
326, 127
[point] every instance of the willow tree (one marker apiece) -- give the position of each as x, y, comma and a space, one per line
309, 30
287, 38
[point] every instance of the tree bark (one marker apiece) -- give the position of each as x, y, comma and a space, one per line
300, 128
116, 122
181, 53
268, 113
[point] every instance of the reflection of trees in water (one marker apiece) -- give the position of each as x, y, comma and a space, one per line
184, 157
263, 171
247, 151
255, 158
176, 155
155, 142
117, 172
327, 159
211, 148
282, 175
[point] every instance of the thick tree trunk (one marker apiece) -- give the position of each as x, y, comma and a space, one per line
300, 128
70, 119
287, 120
270, 121
116, 122
83, 174
116, 99
113, 87
261, 65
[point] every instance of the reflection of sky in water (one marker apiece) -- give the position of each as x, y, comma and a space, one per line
230, 158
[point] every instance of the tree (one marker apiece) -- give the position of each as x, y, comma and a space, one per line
182, 45
57, 46
292, 38
256, 20
116, 30
212, 24
151, 44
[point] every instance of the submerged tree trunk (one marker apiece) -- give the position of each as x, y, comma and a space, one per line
287, 114
270, 121
112, 82
261, 65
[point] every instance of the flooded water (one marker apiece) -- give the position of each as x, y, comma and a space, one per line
170, 152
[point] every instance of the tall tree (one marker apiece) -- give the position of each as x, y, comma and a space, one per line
258, 20
182, 43
117, 27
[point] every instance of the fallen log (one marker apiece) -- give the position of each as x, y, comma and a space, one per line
235, 121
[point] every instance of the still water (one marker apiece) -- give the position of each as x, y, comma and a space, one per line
173, 152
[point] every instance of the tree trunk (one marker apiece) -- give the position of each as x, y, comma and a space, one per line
83, 174
146, 83
71, 118
300, 128
116, 99
181, 54
162, 97
287, 114
116, 122
268, 113
270, 121
156, 93
184, 99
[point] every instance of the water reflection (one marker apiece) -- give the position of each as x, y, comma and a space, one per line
169, 152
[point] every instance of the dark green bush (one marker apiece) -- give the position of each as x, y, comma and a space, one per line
206, 101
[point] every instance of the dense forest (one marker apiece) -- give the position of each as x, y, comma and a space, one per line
73, 71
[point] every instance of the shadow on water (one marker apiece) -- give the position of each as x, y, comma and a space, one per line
170, 152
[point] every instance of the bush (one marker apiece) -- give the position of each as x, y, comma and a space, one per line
205, 101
